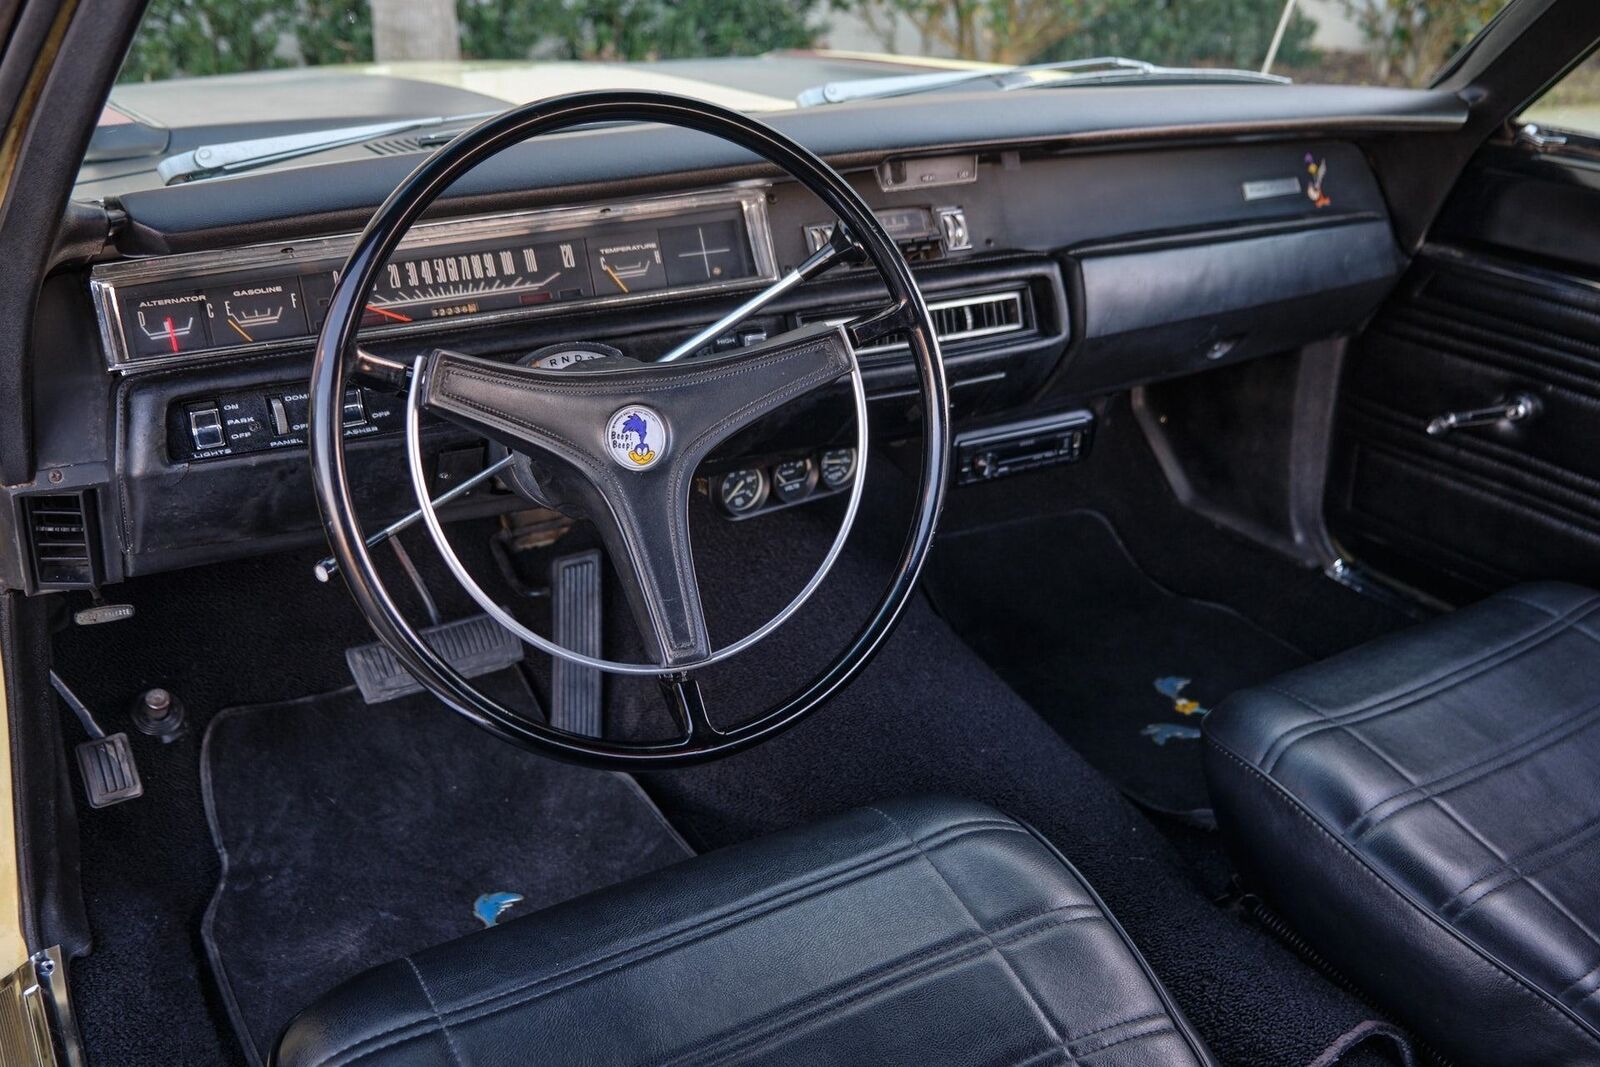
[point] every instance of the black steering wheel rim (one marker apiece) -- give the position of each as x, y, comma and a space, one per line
336, 345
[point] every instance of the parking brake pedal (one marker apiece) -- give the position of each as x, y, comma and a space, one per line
575, 601
473, 646
110, 775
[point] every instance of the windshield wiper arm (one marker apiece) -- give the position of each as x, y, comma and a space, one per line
231, 157
1099, 70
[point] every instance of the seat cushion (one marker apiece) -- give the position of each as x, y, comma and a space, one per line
1425, 810
923, 931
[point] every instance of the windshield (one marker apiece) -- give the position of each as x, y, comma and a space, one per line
251, 81
492, 47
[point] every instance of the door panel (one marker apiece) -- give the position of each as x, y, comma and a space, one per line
1483, 316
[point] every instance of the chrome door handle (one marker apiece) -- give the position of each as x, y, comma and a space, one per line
1518, 407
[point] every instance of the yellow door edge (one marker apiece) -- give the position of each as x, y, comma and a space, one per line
13, 946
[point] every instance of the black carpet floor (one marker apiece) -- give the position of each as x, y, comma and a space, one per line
1123, 668
355, 834
926, 716
929, 716
254, 631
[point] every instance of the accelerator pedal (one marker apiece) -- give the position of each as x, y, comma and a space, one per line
575, 597
474, 646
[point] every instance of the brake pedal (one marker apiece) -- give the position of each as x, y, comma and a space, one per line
110, 774
575, 602
474, 646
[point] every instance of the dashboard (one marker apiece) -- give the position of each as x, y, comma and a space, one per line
1063, 259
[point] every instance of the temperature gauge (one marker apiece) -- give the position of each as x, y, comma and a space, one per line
627, 263
741, 492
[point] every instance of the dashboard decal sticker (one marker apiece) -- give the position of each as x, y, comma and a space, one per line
1318, 169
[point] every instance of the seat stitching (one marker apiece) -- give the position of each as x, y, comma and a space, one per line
1468, 829
1498, 969
1542, 857
910, 968
1497, 759
1047, 1055
1165, 1028
1112, 1026
444, 1028
1580, 980
697, 931
1511, 595
1372, 709
999, 952
956, 951
1504, 862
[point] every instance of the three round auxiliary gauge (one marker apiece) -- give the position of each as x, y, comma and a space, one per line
749, 490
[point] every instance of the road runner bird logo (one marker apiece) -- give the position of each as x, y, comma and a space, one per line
1172, 688
636, 437
1318, 169
489, 907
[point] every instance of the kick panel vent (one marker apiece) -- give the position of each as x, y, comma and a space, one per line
62, 541
960, 319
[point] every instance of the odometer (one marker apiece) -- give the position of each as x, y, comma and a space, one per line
447, 282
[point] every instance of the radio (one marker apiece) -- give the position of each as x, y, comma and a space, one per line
982, 455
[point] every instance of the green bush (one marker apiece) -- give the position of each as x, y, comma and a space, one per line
1228, 33
631, 29
190, 38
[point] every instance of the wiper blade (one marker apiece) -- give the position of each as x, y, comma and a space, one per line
231, 157
1097, 71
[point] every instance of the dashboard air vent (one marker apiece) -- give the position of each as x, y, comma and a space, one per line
963, 318
394, 146
61, 540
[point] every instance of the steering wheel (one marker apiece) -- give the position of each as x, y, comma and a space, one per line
617, 441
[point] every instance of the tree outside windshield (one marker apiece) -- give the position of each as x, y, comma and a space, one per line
1394, 42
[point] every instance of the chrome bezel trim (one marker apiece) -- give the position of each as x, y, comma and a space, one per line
329, 253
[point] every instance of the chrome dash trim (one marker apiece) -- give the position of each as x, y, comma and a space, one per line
329, 253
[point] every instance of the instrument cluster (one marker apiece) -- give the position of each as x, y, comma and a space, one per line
173, 309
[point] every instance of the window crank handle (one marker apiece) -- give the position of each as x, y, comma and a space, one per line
1518, 407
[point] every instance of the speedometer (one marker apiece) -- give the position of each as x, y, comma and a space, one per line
443, 283
447, 274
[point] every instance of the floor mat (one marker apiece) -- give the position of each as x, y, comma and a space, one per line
1122, 668
351, 835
